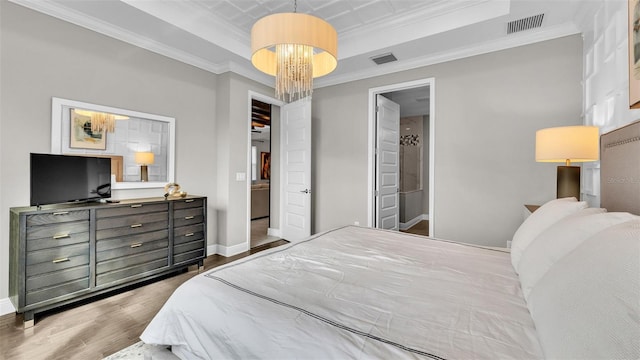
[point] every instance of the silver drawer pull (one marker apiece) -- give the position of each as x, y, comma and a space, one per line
136, 245
136, 225
189, 234
189, 217
61, 236
189, 200
56, 261
136, 205
61, 213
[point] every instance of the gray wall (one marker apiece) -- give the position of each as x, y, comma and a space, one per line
487, 110
232, 134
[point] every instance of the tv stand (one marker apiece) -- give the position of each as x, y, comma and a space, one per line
61, 254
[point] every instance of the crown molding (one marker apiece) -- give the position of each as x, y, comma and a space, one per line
69, 15
180, 14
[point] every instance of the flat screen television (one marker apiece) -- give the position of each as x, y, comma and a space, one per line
66, 178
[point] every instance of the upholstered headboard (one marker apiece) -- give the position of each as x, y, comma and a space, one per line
620, 169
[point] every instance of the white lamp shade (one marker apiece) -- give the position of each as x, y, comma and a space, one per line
294, 28
568, 143
144, 158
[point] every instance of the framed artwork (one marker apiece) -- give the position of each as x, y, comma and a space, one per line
81, 136
265, 165
634, 54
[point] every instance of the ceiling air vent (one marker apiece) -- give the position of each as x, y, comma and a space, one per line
523, 24
384, 58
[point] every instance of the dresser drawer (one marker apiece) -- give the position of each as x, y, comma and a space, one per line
33, 297
118, 242
188, 256
187, 247
63, 261
132, 221
132, 249
57, 231
123, 274
57, 253
131, 230
57, 217
190, 216
188, 233
57, 277
187, 203
132, 260
132, 209
57, 241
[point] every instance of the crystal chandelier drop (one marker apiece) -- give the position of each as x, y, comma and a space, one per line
295, 48
294, 71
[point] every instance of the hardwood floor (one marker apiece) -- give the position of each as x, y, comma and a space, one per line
99, 328
421, 228
259, 232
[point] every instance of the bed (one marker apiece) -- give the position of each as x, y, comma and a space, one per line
569, 288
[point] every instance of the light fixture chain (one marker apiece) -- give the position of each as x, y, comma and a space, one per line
295, 6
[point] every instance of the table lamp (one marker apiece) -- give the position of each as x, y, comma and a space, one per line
568, 144
143, 159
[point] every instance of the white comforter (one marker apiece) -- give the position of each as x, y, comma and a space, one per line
353, 293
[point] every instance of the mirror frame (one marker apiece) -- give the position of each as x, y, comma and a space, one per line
58, 105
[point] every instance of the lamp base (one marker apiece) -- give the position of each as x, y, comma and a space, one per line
568, 182
144, 173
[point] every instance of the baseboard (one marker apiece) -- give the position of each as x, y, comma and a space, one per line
6, 307
274, 232
415, 220
227, 250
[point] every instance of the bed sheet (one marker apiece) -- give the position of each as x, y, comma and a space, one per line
355, 293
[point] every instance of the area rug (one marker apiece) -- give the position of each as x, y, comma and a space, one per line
142, 351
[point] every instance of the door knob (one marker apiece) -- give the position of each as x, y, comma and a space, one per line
306, 191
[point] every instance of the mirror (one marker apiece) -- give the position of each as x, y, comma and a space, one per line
141, 145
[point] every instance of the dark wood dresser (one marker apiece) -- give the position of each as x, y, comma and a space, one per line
64, 253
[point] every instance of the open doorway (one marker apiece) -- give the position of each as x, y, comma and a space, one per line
290, 170
414, 148
263, 194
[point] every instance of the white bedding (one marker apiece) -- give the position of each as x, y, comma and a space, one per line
354, 293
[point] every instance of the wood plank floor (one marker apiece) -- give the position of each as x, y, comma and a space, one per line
421, 228
98, 328
259, 232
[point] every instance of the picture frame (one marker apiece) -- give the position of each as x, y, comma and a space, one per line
81, 136
265, 165
634, 54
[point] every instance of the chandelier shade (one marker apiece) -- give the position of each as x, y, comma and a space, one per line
295, 48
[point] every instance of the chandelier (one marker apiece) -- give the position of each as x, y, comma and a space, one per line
295, 48
101, 122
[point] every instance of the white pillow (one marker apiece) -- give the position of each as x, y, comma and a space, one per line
540, 220
560, 239
588, 303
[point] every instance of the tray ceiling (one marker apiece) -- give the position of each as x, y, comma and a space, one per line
215, 34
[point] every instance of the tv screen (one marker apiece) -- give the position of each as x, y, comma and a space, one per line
66, 178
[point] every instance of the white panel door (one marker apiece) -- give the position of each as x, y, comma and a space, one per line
296, 170
387, 163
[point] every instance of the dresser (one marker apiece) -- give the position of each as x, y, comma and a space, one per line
64, 253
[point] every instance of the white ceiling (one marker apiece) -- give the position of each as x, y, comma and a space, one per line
215, 34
